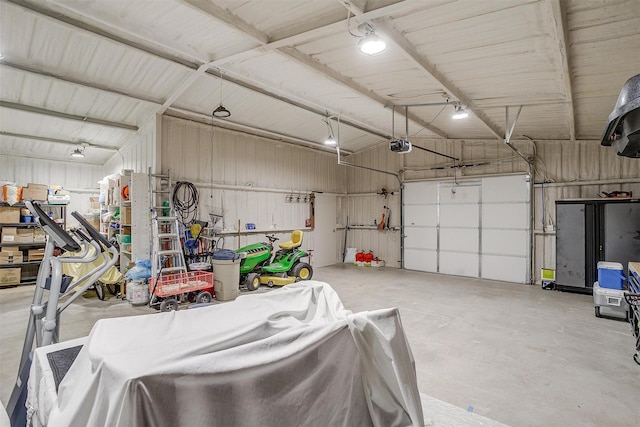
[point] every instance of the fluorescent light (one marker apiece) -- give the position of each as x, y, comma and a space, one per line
371, 44
459, 113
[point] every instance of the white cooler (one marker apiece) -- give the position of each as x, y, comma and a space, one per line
609, 302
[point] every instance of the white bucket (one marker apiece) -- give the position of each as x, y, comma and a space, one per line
137, 292
350, 255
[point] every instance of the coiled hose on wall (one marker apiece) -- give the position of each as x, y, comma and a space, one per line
185, 201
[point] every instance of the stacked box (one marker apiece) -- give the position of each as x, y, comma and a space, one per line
39, 236
35, 255
9, 215
17, 235
10, 276
38, 192
9, 256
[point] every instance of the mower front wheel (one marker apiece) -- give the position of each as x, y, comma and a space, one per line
252, 281
301, 271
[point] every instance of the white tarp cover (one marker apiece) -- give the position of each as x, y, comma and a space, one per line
291, 357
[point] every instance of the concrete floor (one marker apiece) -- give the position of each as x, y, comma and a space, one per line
513, 353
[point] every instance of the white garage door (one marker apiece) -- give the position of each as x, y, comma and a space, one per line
477, 228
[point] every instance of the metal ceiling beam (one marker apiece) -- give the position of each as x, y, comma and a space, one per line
412, 53
58, 114
58, 141
558, 17
299, 56
346, 81
56, 16
181, 113
227, 17
322, 30
78, 82
77, 24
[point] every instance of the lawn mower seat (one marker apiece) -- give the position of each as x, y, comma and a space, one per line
296, 240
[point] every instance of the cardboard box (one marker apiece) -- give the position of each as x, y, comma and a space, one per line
94, 202
35, 255
17, 235
39, 236
9, 215
125, 215
35, 192
10, 276
9, 256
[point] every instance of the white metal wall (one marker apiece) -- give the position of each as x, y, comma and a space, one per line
248, 177
138, 154
571, 169
80, 179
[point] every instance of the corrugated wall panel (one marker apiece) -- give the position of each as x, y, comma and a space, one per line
560, 163
138, 153
248, 177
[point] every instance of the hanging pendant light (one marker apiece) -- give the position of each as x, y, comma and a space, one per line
331, 141
221, 112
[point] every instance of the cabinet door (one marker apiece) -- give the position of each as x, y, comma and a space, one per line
622, 232
570, 245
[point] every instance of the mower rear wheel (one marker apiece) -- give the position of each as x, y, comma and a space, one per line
301, 271
170, 304
252, 281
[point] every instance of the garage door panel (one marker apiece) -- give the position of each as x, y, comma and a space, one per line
462, 194
421, 238
421, 260
459, 215
456, 239
421, 215
460, 264
421, 192
508, 269
505, 242
505, 215
502, 189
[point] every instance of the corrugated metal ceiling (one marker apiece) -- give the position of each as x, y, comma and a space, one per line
92, 72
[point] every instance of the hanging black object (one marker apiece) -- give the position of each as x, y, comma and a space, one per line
623, 127
221, 112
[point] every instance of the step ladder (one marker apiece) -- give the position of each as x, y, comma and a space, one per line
160, 187
167, 254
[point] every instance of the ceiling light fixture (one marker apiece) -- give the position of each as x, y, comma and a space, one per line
78, 153
331, 141
221, 112
371, 44
460, 113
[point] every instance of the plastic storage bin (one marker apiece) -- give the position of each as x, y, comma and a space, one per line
609, 302
610, 275
226, 273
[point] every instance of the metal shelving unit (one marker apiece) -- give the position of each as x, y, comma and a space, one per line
29, 269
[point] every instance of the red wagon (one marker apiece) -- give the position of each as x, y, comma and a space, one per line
167, 291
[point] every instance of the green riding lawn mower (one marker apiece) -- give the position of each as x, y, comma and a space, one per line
257, 268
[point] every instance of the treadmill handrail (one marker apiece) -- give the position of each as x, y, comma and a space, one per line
60, 235
91, 230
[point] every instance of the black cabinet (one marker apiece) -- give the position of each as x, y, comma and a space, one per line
588, 231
